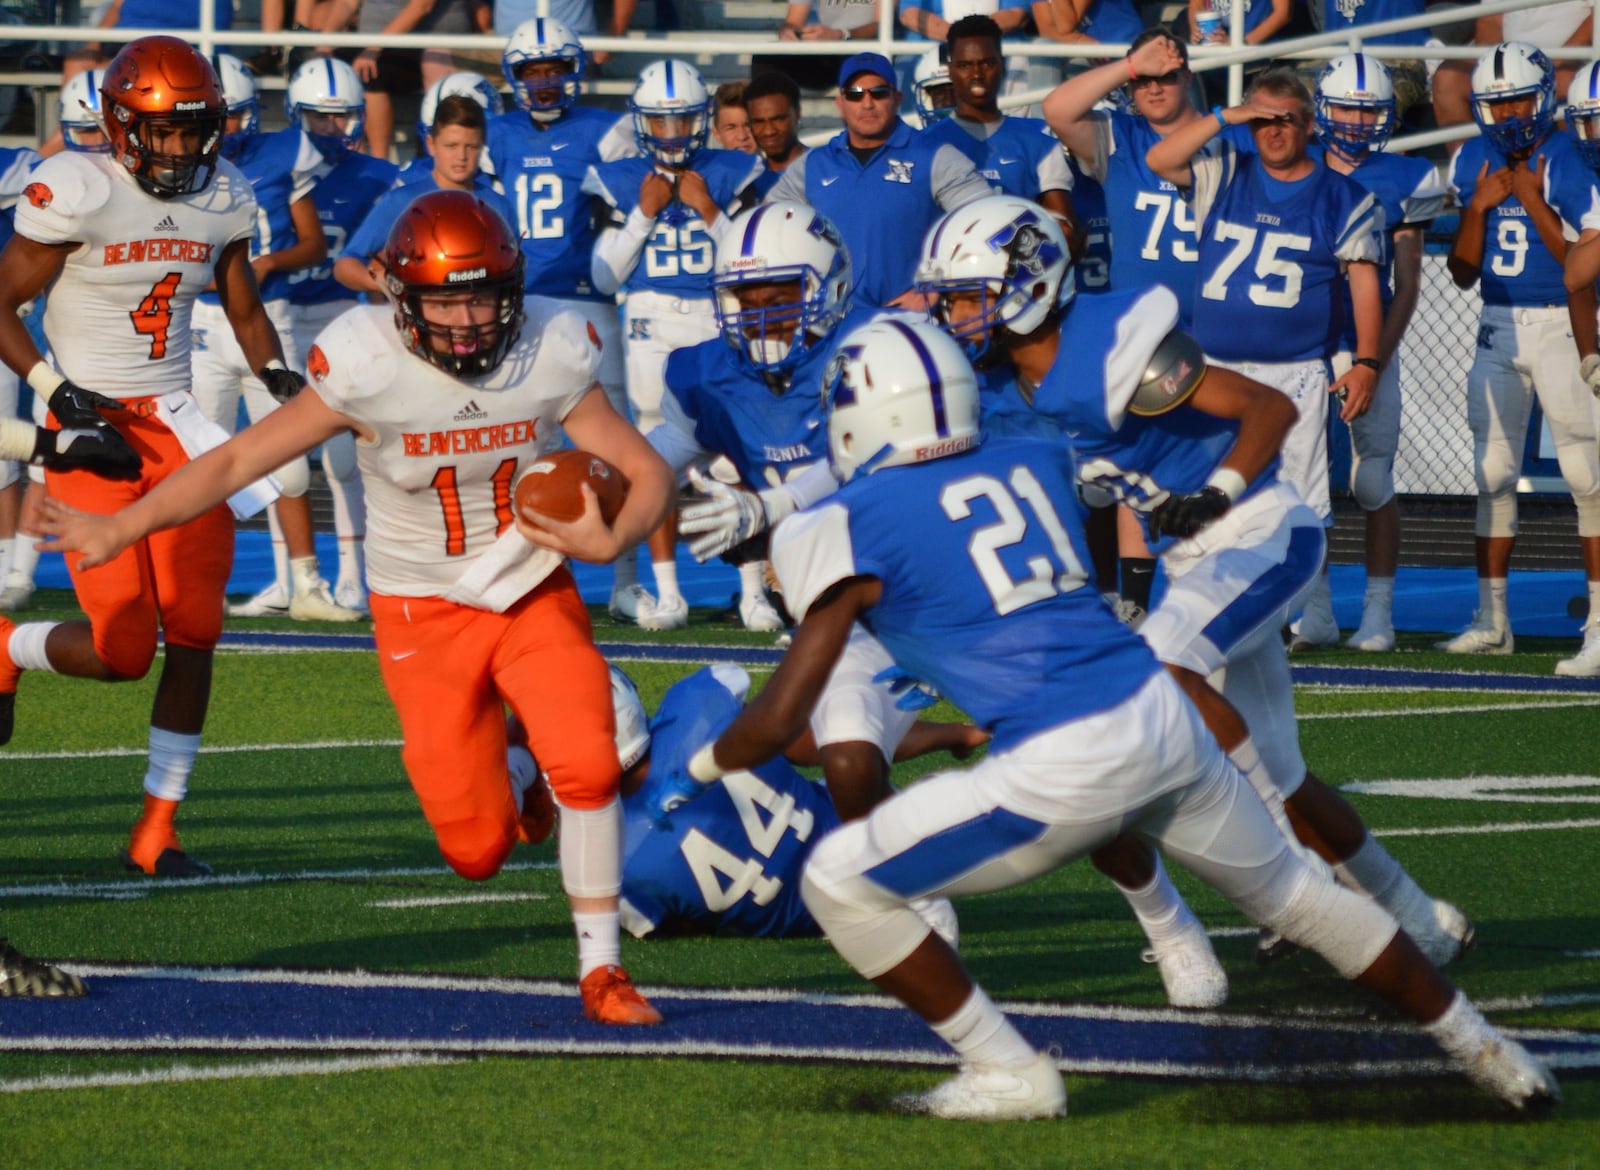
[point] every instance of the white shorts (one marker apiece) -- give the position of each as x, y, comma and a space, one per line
655, 326
222, 375
606, 318
307, 321
853, 708
1305, 450
1147, 766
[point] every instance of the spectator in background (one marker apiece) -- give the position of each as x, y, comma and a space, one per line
1087, 22
879, 171
830, 20
467, 84
386, 72
1549, 27
731, 127
925, 20
179, 15
1409, 75
773, 103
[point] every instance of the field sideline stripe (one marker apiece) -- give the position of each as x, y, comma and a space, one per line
180, 1073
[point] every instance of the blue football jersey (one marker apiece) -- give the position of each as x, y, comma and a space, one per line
15, 164
1004, 411
1154, 237
1018, 156
1409, 193
1138, 459
369, 238
1092, 273
1517, 267
344, 197
768, 435
541, 166
731, 859
1272, 254
282, 168
985, 589
679, 254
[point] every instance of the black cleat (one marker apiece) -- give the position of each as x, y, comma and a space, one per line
29, 978
173, 863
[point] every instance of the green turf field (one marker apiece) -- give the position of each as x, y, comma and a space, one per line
324, 863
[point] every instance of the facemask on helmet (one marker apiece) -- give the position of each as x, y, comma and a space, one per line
164, 114
931, 87
1514, 72
82, 127
1583, 112
671, 110
561, 61
239, 92
1355, 110
328, 102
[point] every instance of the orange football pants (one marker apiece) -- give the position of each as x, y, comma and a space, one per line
447, 668
176, 579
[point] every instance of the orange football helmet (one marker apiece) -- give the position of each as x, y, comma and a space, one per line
164, 84
444, 244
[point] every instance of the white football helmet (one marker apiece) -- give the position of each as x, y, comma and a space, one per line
327, 85
239, 91
1508, 72
633, 725
898, 392
1007, 249
1361, 86
543, 39
673, 96
1583, 112
465, 83
769, 244
931, 87
78, 111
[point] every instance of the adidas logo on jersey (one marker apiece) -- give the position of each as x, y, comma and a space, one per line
469, 412
166, 225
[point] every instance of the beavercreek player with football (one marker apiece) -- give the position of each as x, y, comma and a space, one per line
125, 240
451, 391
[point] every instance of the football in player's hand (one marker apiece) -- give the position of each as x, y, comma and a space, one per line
551, 486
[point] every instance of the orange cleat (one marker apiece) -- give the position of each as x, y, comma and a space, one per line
609, 997
153, 846
9, 674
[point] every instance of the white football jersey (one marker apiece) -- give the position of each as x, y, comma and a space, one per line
446, 452
118, 316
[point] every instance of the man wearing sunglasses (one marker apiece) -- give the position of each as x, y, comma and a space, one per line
878, 172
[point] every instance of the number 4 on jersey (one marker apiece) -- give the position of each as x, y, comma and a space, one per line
153, 317
710, 862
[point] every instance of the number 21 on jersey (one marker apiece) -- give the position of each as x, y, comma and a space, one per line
1046, 575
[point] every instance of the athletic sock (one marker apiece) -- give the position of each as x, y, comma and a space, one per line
981, 1035
599, 940
1138, 574
666, 579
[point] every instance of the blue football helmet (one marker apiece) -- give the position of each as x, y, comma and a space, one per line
1360, 86
1509, 72
465, 83
327, 85
673, 96
544, 39
1583, 112
239, 92
79, 112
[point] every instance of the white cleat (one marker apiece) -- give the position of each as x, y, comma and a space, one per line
1375, 636
993, 1094
1189, 970
16, 597
1314, 631
668, 613
273, 601
1510, 1072
1584, 664
351, 595
1481, 636
1130, 613
940, 917
631, 602
317, 605
758, 615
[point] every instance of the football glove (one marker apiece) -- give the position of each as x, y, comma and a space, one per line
281, 382
909, 693
669, 789
1589, 371
99, 449
728, 515
78, 409
1185, 514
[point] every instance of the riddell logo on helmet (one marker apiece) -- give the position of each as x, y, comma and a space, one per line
946, 447
468, 274
747, 264
190, 105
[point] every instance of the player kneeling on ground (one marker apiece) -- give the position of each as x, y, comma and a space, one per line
969, 562
454, 389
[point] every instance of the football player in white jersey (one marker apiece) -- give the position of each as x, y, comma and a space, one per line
452, 390
125, 241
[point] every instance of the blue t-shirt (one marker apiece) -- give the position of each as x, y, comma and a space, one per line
182, 15
1112, 22
985, 589
276, 164
1153, 232
731, 859
1517, 268
542, 173
1341, 15
1138, 459
344, 197
1271, 280
373, 233
678, 257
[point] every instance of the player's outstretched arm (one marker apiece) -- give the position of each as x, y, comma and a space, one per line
302, 424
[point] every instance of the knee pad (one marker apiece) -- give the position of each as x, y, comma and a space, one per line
1497, 513
294, 477
1588, 514
871, 929
339, 456
475, 848
591, 851
1373, 485
1346, 929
